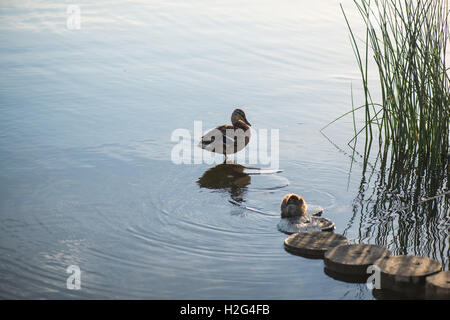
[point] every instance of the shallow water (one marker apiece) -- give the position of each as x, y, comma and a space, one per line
85, 147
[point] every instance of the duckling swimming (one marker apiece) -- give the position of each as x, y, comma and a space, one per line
294, 216
293, 205
228, 139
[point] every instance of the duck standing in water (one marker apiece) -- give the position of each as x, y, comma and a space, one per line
228, 139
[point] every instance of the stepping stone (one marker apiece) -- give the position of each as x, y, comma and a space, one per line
300, 224
438, 285
349, 278
406, 273
353, 259
313, 244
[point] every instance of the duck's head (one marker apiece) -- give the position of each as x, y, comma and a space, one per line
293, 206
237, 116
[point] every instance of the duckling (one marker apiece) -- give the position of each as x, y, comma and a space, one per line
228, 139
294, 217
293, 205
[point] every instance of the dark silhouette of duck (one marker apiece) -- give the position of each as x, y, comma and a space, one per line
226, 176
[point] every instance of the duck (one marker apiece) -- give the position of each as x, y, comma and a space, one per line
292, 206
228, 139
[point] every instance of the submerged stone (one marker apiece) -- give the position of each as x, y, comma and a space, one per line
305, 224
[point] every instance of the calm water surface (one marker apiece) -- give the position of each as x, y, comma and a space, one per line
85, 143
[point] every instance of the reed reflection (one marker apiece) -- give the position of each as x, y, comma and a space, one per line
227, 176
403, 204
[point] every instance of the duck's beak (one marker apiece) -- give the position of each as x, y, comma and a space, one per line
245, 120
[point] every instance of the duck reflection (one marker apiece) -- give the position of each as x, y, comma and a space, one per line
227, 176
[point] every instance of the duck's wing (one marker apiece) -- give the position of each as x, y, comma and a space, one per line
216, 135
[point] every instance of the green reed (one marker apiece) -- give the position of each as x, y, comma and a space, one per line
407, 41
404, 198
405, 207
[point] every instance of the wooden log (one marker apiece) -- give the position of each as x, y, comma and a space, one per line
406, 273
313, 244
438, 285
349, 278
354, 259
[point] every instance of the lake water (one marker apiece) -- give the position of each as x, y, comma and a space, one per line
87, 177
